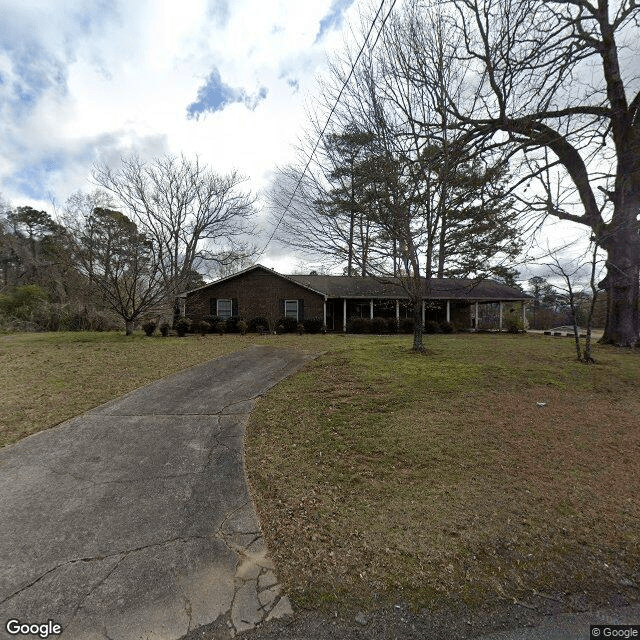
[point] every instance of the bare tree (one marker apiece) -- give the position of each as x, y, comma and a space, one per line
546, 82
192, 216
119, 263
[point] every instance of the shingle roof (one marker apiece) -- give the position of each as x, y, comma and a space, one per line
436, 288
367, 287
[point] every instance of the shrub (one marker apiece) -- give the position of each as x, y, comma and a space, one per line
313, 325
242, 327
204, 327
213, 321
392, 325
221, 327
259, 321
232, 324
378, 325
22, 302
287, 325
164, 329
408, 325
149, 327
515, 325
359, 325
431, 326
447, 327
182, 326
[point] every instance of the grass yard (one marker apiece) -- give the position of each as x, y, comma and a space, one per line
427, 479
439, 479
47, 378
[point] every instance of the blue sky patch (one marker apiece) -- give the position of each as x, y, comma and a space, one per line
215, 95
333, 19
33, 181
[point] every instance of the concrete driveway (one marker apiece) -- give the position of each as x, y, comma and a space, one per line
133, 521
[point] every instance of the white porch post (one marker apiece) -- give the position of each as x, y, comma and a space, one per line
371, 308
524, 314
344, 315
500, 316
324, 312
424, 313
398, 311
477, 317
448, 311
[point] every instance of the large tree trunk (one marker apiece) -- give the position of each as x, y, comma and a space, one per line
128, 327
622, 243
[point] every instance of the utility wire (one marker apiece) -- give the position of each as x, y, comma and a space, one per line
333, 108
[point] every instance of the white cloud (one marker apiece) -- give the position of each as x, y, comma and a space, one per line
84, 82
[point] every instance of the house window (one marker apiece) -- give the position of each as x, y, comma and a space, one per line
224, 308
291, 309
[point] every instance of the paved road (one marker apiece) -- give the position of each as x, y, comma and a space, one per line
133, 521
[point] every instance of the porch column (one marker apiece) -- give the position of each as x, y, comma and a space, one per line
448, 311
477, 317
371, 308
398, 311
344, 315
500, 316
324, 312
424, 313
524, 314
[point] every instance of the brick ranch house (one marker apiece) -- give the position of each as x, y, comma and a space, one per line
262, 292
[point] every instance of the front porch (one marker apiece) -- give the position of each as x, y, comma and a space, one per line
464, 315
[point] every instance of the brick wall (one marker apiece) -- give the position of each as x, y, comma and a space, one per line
259, 293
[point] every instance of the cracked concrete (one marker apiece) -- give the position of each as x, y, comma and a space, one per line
134, 520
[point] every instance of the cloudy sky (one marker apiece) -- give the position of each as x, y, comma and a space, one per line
83, 81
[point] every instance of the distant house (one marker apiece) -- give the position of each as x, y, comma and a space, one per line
262, 292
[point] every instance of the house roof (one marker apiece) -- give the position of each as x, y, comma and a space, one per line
252, 268
367, 287
436, 288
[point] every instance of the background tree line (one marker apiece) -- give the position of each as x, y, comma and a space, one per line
124, 251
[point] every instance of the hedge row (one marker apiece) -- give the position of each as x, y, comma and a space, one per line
236, 324
391, 325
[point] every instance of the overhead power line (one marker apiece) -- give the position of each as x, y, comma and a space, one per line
333, 108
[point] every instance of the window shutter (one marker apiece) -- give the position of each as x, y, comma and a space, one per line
282, 308
213, 306
300, 310
234, 307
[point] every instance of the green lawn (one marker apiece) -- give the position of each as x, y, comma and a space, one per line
439, 478
425, 478
46, 378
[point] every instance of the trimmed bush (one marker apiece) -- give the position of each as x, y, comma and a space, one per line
242, 327
313, 325
221, 327
515, 325
359, 325
431, 326
232, 324
259, 321
149, 327
408, 325
213, 321
204, 327
287, 325
182, 326
164, 329
378, 325
447, 327
392, 325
